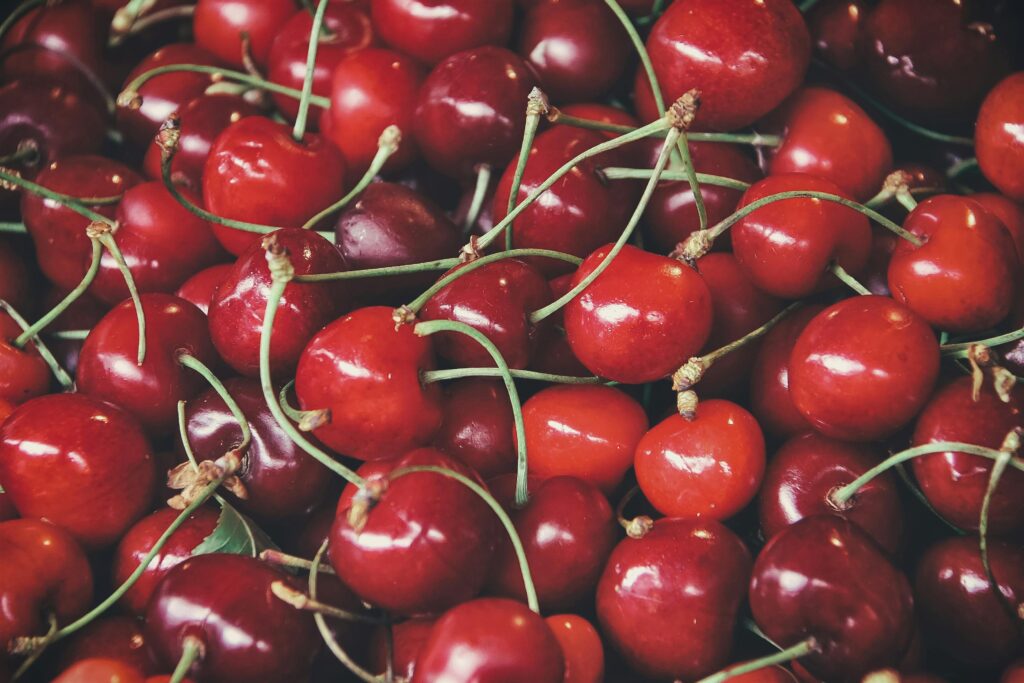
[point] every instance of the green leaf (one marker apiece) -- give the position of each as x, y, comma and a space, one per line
235, 534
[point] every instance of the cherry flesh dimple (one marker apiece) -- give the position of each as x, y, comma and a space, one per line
431, 30
668, 602
23, 372
201, 288
581, 648
219, 24
225, 601
477, 426
708, 467
116, 637
367, 374
863, 368
80, 463
999, 137
642, 318
955, 482
824, 577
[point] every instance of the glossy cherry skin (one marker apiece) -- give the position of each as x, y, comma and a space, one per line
17, 274
805, 471
80, 463
108, 369
367, 374
23, 372
201, 288
1009, 212
110, 637
431, 30
393, 225
238, 307
642, 318
708, 467
955, 482
668, 602
472, 109
254, 163
863, 368
824, 577
484, 640
427, 543
745, 57
836, 27
408, 638
567, 529
218, 26
101, 670
998, 140
959, 609
962, 279
581, 648
826, 134
248, 634
44, 571
477, 425
787, 246
583, 431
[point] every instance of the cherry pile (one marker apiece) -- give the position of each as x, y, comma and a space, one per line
512, 341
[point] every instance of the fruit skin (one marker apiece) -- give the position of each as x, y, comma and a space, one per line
581, 648
23, 372
201, 288
408, 638
80, 463
1009, 212
485, 640
101, 670
863, 368
998, 136
477, 427
218, 26
109, 637
431, 30
824, 577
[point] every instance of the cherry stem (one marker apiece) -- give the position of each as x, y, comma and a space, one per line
476, 204
126, 16
960, 350
804, 647
555, 115
619, 173
17, 13
191, 650
72, 203
506, 521
291, 561
638, 526
906, 199
807, 5
60, 373
536, 106
1011, 444
148, 21
387, 271
193, 363
299, 130
915, 491
641, 50
27, 151
430, 327
301, 601
431, 376
69, 335
307, 420
107, 240
961, 167
556, 305
849, 280
13, 227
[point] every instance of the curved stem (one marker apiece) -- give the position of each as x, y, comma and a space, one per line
804, 647
17, 13
27, 150
44, 643
431, 376
62, 199
108, 241
638, 526
65, 303
906, 199
961, 167
59, 373
149, 20
959, 350
618, 173
641, 50
306, 603
281, 559
536, 105
1010, 446
299, 130
130, 95
918, 494
557, 116
849, 280
387, 271
193, 363
191, 650
13, 227
476, 204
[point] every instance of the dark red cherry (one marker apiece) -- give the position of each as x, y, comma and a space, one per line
101, 670
218, 26
247, 633
80, 463
787, 246
23, 372
109, 371
44, 572
641, 319
367, 373
431, 30
836, 27
808, 468
668, 602
998, 136
116, 637
745, 57
426, 544
7, 510
17, 274
471, 110
567, 529
1009, 212
238, 307
581, 648
254, 163
955, 482
201, 288
408, 638
961, 613
825, 578
863, 368
485, 640
477, 425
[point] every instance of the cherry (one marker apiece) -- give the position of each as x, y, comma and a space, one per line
225, 602
745, 57
424, 545
588, 432
998, 140
472, 109
477, 426
962, 278
23, 372
101, 670
408, 638
825, 578
642, 318
44, 572
253, 163
962, 613
863, 368
1014, 673
80, 463
581, 648
108, 369
786, 247
805, 471
485, 640
668, 602
82, 314
237, 308
201, 288
219, 24
955, 482
1009, 212
431, 30
16, 275
118, 638
836, 27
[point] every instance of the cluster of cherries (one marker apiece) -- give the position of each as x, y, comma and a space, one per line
460, 370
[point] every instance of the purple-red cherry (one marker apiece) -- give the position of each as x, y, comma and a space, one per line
477, 425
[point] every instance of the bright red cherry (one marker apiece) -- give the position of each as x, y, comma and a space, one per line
1009, 212
431, 30
581, 648
477, 426
80, 463
201, 288
109, 637
219, 24
668, 602
101, 670
999, 136
863, 368
23, 372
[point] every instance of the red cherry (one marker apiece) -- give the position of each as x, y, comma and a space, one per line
219, 24
745, 57
477, 426
581, 648
786, 247
431, 30
101, 670
487, 640
998, 136
836, 27
588, 432
407, 638
668, 602
7, 510
863, 368
1009, 212
1014, 673
118, 638
16, 274
23, 372
77, 462
201, 288
642, 318
83, 314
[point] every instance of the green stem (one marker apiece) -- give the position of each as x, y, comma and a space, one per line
918, 494
960, 350
65, 303
13, 227
60, 373
691, 176
69, 335
281, 559
961, 167
108, 241
130, 95
710, 358
998, 468
483, 182
618, 173
556, 116
387, 271
299, 131
641, 50
906, 199
17, 13
457, 373
804, 647
536, 105
150, 19
193, 363
191, 650
69, 202
849, 280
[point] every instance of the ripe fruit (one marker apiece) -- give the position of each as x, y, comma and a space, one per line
998, 139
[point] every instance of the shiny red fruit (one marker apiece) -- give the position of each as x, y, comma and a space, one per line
431, 30
1009, 212
200, 289
999, 136
477, 426
101, 670
23, 372
218, 26
407, 638
109, 637
581, 648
